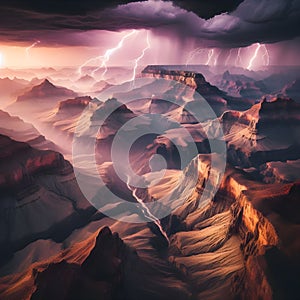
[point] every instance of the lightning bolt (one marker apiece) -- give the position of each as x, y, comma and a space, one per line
104, 59
238, 57
30, 47
210, 55
258, 46
192, 54
147, 213
137, 60
216, 58
228, 57
79, 71
266, 56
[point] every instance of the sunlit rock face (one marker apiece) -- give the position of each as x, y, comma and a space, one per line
39, 196
238, 237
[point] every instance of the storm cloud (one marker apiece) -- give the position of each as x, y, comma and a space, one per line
235, 25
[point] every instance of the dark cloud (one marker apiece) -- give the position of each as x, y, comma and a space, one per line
203, 8
208, 8
61, 7
57, 22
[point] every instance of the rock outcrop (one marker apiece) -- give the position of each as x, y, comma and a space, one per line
269, 131
74, 103
292, 90
92, 269
46, 90
40, 197
280, 171
191, 79
218, 99
113, 115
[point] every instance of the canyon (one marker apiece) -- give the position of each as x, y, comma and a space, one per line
231, 235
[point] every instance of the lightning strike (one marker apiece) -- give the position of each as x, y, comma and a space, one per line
104, 59
250, 65
216, 58
30, 47
136, 61
238, 60
79, 71
266, 56
210, 55
192, 54
228, 57
147, 213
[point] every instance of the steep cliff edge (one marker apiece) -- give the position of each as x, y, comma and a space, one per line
236, 245
268, 131
268, 224
218, 99
191, 79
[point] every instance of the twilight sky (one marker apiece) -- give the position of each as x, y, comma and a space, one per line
68, 33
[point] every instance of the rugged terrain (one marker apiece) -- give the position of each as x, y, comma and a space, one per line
240, 243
